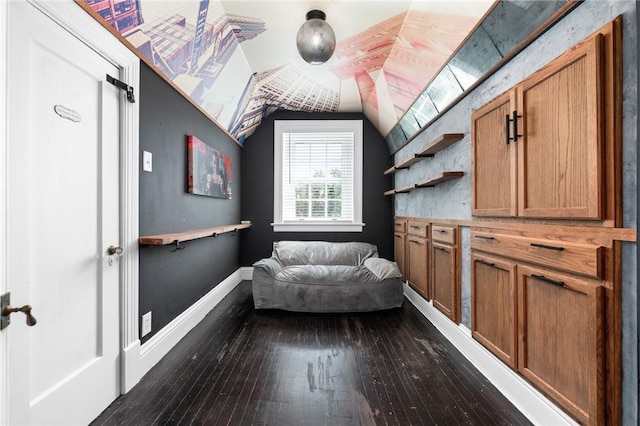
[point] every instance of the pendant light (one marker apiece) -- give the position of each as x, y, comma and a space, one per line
316, 40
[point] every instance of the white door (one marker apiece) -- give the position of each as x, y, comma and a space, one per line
62, 214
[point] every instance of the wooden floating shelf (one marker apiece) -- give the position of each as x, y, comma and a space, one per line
427, 183
179, 237
435, 180
430, 150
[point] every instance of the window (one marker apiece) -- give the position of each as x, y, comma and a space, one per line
318, 176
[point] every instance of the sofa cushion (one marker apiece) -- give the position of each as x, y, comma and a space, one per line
323, 253
383, 268
327, 274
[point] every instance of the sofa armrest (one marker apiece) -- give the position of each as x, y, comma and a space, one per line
270, 265
383, 268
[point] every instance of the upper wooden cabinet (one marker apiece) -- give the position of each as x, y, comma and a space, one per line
494, 160
560, 152
540, 150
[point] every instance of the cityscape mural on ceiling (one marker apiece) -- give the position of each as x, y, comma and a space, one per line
196, 44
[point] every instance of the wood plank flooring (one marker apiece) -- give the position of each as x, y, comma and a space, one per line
240, 366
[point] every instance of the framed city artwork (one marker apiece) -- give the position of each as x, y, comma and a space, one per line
209, 171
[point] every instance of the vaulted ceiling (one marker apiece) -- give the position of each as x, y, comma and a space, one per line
237, 59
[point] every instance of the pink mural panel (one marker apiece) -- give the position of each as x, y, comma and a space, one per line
237, 64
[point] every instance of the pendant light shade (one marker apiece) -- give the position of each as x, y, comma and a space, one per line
316, 40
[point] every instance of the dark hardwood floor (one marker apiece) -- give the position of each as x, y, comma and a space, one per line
240, 366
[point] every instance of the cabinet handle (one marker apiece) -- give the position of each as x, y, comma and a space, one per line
514, 120
414, 226
416, 242
484, 237
549, 280
546, 246
440, 248
440, 230
506, 128
486, 262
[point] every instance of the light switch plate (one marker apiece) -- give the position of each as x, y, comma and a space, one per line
147, 161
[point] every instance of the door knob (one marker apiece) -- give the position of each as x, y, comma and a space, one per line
112, 250
6, 310
26, 309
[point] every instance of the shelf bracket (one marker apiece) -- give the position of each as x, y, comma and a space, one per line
179, 245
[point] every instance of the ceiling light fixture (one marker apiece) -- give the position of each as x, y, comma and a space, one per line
316, 40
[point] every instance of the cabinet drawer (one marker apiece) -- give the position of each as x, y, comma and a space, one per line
418, 228
443, 234
584, 259
400, 226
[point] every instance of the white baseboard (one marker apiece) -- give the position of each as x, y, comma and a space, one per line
129, 374
535, 406
247, 273
152, 351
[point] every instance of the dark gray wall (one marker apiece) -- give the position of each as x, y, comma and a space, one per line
170, 282
257, 191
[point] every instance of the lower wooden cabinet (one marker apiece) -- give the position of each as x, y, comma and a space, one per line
418, 260
445, 275
494, 306
399, 243
545, 300
546, 323
418, 257
445, 296
560, 338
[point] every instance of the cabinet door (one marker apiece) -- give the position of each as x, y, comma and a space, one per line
418, 264
494, 306
560, 162
399, 240
560, 339
493, 159
445, 281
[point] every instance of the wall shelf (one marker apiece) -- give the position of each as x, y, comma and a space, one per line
426, 183
435, 180
442, 142
180, 237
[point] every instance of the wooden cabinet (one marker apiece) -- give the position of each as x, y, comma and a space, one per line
538, 305
560, 153
445, 275
399, 245
494, 305
560, 338
494, 161
418, 257
538, 149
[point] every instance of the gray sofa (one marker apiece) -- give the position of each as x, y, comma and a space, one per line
319, 276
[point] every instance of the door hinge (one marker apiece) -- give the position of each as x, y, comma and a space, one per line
124, 86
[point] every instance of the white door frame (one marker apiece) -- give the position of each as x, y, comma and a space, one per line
79, 23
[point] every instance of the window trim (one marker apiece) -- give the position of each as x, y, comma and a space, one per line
284, 126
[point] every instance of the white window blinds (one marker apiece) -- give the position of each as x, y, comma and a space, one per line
318, 176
